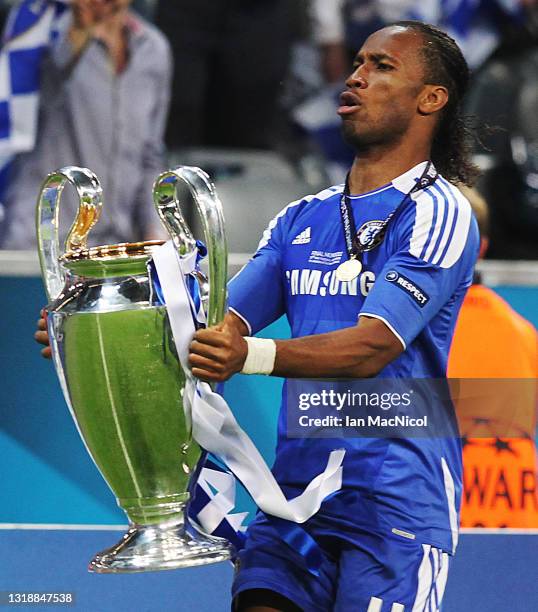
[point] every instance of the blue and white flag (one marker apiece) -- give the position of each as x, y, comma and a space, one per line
31, 27
213, 500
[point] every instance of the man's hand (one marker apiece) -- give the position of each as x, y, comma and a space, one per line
89, 13
88, 19
42, 336
216, 353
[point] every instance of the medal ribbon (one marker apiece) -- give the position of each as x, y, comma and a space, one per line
353, 246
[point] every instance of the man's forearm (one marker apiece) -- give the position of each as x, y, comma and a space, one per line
361, 351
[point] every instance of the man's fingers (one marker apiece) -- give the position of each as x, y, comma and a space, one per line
211, 337
207, 375
42, 324
206, 350
197, 361
214, 353
42, 337
46, 352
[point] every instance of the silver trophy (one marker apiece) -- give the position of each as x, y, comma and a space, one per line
117, 364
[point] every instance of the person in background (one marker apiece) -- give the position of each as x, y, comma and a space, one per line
504, 95
230, 60
104, 99
477, 27
493, 341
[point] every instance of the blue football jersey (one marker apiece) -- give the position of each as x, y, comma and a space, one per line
414, 280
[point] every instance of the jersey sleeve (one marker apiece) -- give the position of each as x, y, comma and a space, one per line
435, 248
256, 292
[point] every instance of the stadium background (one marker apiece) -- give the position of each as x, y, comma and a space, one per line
55, 509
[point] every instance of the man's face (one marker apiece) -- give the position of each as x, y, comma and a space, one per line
380, 102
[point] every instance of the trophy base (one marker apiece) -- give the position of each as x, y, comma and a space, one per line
150, 548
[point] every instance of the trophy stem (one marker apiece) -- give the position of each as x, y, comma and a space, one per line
152, 510
167, 545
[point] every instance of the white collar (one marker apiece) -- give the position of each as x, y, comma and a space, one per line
406, 181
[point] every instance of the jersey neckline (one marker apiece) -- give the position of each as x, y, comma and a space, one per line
403, 183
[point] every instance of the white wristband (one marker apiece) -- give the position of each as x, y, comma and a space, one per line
260, 357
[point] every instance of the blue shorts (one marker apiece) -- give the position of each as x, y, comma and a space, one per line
376, 574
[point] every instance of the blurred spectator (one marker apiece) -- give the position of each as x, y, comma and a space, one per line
504, 94
478, 25
342, 25
103, 102
492, 341
230, 58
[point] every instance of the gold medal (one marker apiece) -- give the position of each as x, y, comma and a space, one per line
348, 270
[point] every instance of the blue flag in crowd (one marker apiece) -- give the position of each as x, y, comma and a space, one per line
460, 16
30, 28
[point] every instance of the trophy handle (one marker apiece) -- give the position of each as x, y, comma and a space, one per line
90, 197
167, 196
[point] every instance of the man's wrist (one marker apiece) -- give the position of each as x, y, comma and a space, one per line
261, 355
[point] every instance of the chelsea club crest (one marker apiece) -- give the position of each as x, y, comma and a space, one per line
370, 234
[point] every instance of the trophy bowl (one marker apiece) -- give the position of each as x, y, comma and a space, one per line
115, 357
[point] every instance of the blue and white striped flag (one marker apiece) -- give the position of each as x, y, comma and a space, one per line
213, 498
31, 26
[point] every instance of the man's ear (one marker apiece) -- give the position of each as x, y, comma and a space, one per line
432, 99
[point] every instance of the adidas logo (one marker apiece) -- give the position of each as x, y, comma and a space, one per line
303, 237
